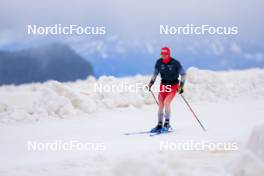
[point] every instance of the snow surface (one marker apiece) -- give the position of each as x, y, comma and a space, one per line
229, 104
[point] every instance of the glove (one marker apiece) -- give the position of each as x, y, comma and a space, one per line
150, 85
181, 90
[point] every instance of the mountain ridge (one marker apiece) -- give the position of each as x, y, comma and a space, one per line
54, 61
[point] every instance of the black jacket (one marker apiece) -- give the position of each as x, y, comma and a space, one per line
169, 72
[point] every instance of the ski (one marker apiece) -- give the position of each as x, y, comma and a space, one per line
147, 132
139, 132
160, 133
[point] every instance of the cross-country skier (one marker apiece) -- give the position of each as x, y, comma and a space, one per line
169, 70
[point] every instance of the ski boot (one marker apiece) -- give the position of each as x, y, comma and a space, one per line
157, 129
167, 126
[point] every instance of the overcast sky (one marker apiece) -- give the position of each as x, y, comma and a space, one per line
130, 19
133, 28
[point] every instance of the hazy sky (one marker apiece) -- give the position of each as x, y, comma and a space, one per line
133, 27
131, 19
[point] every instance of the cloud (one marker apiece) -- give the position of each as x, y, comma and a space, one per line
150, 48
89, 48
259, 57
255, 56
217, 47
235, 48
133, 26
132, 19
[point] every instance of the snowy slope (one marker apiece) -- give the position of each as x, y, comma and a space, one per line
229, 104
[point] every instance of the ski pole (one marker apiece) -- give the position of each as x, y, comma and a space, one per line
192, 112
154, 97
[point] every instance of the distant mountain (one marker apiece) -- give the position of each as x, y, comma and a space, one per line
118, 57
50, 62
143, 63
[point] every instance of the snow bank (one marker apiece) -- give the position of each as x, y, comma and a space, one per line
62, 100
205, 85
251, 163
256, 142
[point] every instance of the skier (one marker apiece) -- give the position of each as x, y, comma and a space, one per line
169, 69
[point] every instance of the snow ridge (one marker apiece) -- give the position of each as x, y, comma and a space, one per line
54, 99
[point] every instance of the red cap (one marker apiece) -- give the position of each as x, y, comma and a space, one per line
165, 50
